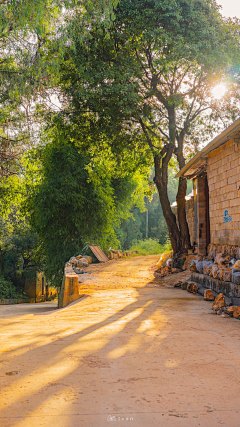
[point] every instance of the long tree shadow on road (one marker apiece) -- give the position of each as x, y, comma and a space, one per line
63, 362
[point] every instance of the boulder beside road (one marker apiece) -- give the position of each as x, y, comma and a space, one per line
192, 287
234, 311
208, 295
219, 302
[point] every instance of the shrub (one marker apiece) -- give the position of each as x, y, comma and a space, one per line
150, 247
8, 290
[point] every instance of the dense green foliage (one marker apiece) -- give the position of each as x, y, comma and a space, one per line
19, 253
150, 247
8, 290
78, 195
134, 228
33, 37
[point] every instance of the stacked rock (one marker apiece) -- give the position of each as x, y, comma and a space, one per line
223, 268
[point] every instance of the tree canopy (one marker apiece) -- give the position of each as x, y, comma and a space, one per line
33, 37
151, 73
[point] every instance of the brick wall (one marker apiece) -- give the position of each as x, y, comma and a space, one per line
224, 201
202, 216
191, 219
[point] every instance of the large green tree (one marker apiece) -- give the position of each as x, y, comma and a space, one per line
78, 193
151, 73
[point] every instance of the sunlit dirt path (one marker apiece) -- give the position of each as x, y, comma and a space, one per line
132, 352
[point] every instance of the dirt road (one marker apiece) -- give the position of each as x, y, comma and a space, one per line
132, 352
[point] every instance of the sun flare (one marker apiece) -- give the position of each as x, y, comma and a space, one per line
219, 91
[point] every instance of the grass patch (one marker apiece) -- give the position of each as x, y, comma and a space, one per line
150, 247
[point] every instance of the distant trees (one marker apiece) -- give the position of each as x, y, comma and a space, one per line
134, 228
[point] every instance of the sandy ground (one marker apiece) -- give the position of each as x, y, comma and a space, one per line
133, 351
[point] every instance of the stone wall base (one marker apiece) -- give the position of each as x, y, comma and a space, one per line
17, 301
229, 289
233, 251
69, 290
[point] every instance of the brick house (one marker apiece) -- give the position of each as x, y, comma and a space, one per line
215, 201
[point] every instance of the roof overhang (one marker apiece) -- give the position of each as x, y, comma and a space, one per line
198, 164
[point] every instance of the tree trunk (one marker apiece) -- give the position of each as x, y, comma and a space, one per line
161, 183
182, 219
147, 217
181, 203
1, 260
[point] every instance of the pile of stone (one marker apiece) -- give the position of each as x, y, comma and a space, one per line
79, 261
116, 254
167, 268
219, 306
224, 268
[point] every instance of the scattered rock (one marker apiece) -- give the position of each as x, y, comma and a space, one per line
109, 254
236, 277
217, 258
192, 288
216, 274
175, 270
213, 270
188, 261
220, 273
68, 264
223, 261
207, 267
230, 310
237, 265
177, 284
234, 311
225, 315
219, 302
169, 262
163, 271
196, 266
193, 267
114, 251
87, 259
208, 295
206, 270
227, 275
78, 262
